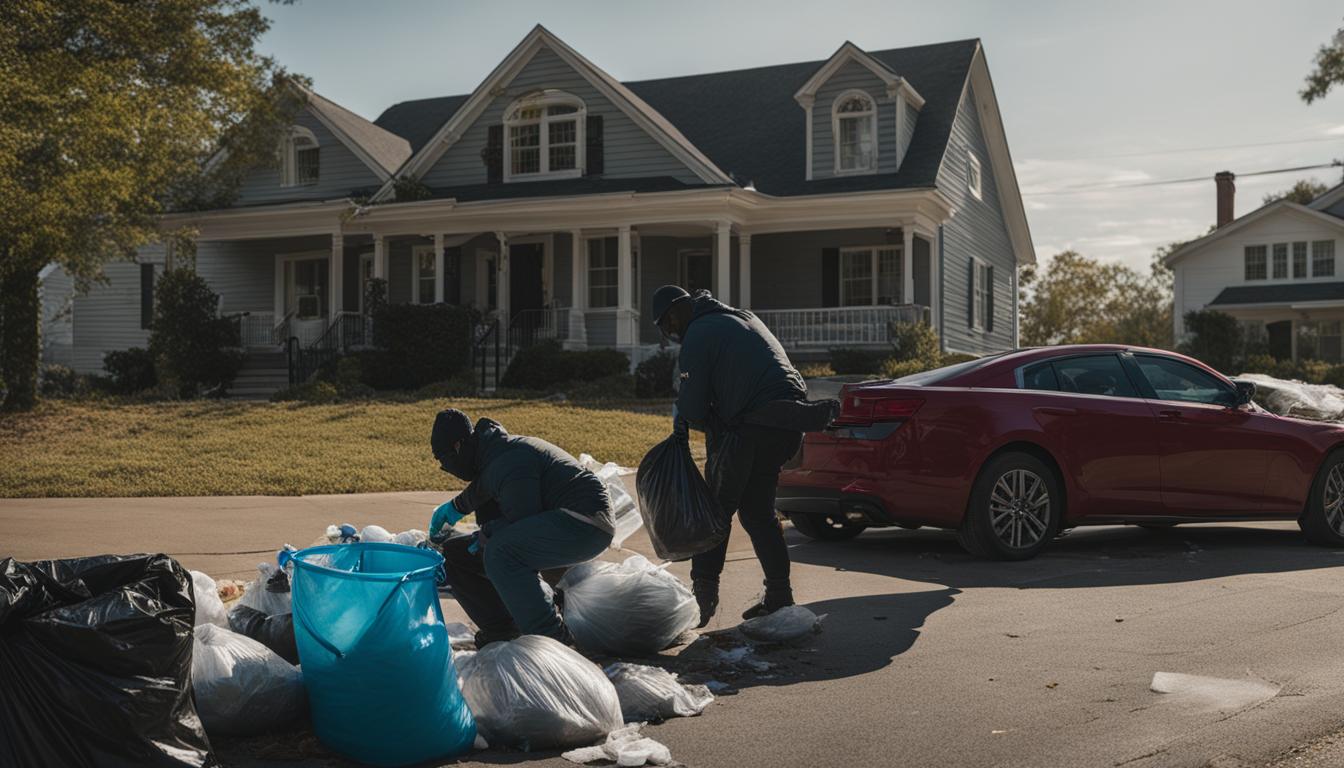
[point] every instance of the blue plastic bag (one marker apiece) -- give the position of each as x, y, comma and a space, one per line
375, 654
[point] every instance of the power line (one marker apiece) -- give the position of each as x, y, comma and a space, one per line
1187, 150
1164, 182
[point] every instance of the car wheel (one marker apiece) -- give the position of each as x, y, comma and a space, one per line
826, 527
1015, 509
1323, 520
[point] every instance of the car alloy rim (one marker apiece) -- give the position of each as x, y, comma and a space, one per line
1019, 508
1333, 499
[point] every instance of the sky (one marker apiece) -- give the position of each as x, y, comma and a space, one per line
1093, 94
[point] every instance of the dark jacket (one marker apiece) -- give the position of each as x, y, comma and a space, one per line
730, 364
518, 477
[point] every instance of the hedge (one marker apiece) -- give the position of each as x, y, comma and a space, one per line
417, 344
547, 366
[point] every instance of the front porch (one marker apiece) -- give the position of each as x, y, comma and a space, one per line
1294, 332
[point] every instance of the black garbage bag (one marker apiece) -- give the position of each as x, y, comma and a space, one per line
682, 516
275, 632
95, 664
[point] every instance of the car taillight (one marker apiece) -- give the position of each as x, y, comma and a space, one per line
891, 410
857, 409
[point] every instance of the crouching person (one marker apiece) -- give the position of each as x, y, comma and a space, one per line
537, 509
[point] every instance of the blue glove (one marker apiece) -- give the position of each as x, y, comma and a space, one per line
475, 545
444, 514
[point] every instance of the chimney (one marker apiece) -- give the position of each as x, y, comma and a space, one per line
1227, 192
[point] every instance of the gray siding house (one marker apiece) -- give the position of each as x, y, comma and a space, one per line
830, 197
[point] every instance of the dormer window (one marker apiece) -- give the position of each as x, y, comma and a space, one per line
300, 158
544, 137
854, 124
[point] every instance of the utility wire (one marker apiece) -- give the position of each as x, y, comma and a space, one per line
1164, 182
1188, 150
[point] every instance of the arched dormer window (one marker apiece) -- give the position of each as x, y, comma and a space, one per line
854, 126
544, 137
300, 160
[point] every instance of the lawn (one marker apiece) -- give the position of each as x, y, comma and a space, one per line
209, 448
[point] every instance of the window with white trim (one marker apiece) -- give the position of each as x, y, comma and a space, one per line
1256, 267
1323, 258
1299, 259
544, 137
871, 276
300, 158
422, 259
854, 125
603, 272
1280, 261
973, 174
980, 293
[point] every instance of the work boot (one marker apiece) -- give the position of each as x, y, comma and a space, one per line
776, 597
485, 637
707, 598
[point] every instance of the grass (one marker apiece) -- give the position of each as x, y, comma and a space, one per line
210, 448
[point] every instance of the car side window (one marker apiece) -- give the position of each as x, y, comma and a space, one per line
1181, 382
1094, 375
1040, 376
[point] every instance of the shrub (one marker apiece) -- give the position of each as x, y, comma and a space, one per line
857, 361
418, 344
311, 392
620, 386
548, 367
655, 376
1313, 371
60, 381
915, 341
895, 369
464, 384
815, 370
1215, 337
130, 371
193, 348
958, 357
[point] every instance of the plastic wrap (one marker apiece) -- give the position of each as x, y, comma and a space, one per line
634, 608
209, 608
626, 747
536, 693
1317, 402
682, 516
240, 685
95, 664
269, 592
782, 626
653, 693
624, 508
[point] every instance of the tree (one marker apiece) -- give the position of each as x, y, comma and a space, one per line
1303, 192
109, 112
1077, 300
1329, 69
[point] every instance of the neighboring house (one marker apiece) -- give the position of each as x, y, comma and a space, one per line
56, 291
830, 197
1275, 269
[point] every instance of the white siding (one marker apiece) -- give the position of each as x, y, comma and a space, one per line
57, 291
340, 172
108, 316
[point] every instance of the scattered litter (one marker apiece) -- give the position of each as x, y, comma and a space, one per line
741, 657
653, 693
626, 746
230, 590
1317, 402
782, 626
461, 636
633, 608
1052, 685
373, 534
209, 608
536, 693
718, 686
240, 685
1118, 619
624, 508
1213, 693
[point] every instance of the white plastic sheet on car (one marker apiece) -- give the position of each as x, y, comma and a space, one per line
782, 626
240, 685
624, 507
536, 693
624, 746
1318, 402
653, 693
634, 607
209, 608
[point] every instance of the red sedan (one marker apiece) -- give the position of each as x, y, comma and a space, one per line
1010, 449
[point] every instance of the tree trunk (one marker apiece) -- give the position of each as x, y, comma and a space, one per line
20, 339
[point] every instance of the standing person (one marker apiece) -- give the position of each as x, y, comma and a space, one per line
737, 384
537, 509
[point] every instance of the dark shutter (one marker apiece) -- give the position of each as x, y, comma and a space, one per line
989, 299
830, 277
493, 154
970, 296
594, 159
146, 295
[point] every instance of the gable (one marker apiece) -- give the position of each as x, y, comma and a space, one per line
983, 214
340, 174
1281, 224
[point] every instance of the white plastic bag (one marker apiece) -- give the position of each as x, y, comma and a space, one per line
209, 608
782, 626
536, 693
653, 693
632, 608
241, 687
269, 592
375, 534
627, 747
411, 538
624, 508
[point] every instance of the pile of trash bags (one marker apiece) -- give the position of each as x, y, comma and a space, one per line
682, 516
241, 686
625, 510
631, 608
653, 693
264, 612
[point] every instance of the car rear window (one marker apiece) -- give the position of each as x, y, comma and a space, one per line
947, 372
1040, 376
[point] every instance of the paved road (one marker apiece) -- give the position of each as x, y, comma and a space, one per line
928, 658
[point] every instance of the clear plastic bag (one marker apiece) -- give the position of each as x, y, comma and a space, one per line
683, 518
653, 693
624, 508
782, 626
635, 607
375, 534
241, 686
269, 592
263, 613
626, 747
536, 693
209, 608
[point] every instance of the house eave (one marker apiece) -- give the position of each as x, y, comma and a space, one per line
1245, 220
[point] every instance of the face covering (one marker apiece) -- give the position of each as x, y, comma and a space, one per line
462, 462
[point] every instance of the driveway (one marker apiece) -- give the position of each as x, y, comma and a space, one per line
928, 658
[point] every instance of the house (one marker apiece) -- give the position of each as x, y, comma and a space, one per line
1274, 269
830, 197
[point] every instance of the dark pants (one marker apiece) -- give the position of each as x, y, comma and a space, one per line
759, 458
499, 586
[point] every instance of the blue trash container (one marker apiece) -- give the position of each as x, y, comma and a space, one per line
375, 654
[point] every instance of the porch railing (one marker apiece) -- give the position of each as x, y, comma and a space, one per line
484, 338
839, 326
255, 329
533, 326
348, 329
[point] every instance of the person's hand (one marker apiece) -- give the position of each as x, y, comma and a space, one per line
679, 425
477, 544
444, 514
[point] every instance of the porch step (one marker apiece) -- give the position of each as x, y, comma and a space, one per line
263, 374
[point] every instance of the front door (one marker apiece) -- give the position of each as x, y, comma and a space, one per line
697, 270
306, 297
526, 294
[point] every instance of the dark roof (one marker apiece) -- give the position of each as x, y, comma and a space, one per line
748, 124
584, 185
1282, 293
387, 149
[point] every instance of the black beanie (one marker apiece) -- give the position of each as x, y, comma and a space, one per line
450, 426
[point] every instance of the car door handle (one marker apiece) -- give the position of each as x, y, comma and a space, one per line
1056, 411
1169, 414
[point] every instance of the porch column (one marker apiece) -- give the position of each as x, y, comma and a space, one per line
744, 271
578, 302
379, 257
336, 265
723, 261
625, 269
438, 267
908, 264
502, 279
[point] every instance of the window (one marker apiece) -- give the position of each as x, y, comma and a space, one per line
146, 295
858, 266
545, 136
855, 128
1040, 376
422, 291
1299, 260
1255, 262
1319, 340
603, 272
973, 174
300, 158
1094, 375
982, 292
1323, 258
1280, 261
1181, 382
306, 284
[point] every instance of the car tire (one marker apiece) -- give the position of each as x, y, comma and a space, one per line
826, 527
1015, 509
1323, 519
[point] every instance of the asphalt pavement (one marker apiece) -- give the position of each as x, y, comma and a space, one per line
927, 658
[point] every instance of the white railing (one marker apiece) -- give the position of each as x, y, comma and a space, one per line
256, 328
839, 326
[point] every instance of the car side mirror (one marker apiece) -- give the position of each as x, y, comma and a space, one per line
1245, 392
